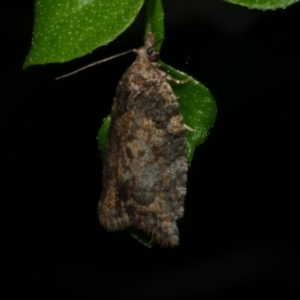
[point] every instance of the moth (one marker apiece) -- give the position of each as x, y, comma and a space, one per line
145, 160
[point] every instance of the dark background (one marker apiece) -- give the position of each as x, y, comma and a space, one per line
240, 232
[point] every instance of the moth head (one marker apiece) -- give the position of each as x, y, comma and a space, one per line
152, 54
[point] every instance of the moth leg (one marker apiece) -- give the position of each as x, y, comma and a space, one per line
189, 128
170, 78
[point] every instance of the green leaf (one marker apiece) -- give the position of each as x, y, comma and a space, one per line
141, 237
102, 134
264, 4
155, 21
68, 29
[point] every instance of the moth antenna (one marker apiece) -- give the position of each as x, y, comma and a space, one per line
94, 64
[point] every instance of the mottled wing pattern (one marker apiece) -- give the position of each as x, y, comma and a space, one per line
145, 163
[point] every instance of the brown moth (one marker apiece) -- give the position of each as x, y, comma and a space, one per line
145, 161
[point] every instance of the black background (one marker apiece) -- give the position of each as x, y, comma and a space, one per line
240, 232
